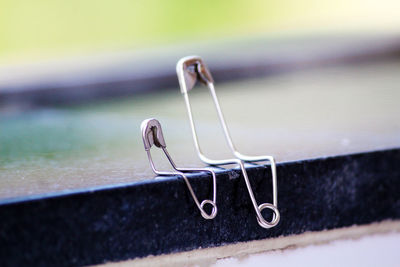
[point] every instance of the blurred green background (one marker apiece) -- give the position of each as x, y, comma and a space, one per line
41, 29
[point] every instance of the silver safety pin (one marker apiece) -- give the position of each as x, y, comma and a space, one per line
192, 69
152, 135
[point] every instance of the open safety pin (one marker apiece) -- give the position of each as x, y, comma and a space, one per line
192, 69
152, 135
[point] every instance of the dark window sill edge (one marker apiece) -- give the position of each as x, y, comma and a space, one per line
156, 217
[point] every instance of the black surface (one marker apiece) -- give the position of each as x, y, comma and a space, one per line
159, 216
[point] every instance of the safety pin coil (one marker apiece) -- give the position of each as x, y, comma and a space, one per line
152, 135
192, 69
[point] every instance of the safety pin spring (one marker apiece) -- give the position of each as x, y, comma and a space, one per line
152, 135
192, 69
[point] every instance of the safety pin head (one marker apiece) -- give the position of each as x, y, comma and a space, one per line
190, 70
152, 134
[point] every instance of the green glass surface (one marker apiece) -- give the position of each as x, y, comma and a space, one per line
299, 115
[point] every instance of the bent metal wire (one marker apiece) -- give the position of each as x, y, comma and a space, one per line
152, 135
192, 69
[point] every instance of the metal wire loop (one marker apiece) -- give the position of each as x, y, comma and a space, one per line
152, 135
192, 69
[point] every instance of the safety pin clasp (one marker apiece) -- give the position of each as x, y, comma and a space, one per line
190, 70
152, 135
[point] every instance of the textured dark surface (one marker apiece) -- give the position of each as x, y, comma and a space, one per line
155, 217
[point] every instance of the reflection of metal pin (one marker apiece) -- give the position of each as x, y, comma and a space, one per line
152, 135
192, 69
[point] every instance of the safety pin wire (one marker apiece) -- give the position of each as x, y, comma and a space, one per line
180, 171
239, 155
240, 158
258, 208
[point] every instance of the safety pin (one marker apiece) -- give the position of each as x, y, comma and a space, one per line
192, 69
152, 135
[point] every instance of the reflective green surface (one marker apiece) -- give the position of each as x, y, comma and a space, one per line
293, 116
